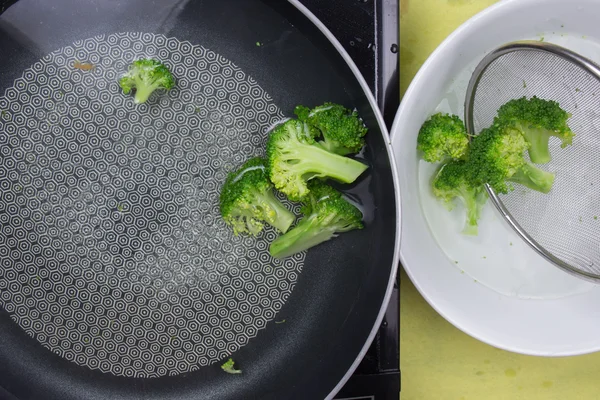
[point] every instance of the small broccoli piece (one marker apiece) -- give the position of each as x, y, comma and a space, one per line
228, 367
443, 137
294, 158
453, 181
247, 199
343, 131
496, 157
538, 120
146, 76
326, 213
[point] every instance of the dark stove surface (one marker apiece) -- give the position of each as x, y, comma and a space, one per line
368, 30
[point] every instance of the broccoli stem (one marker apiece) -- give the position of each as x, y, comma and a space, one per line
333, 148
471, 205
313, 160
534, 178
474, 203
283, 218
254, 227
539, 151
306, 234
470, 229
143, 92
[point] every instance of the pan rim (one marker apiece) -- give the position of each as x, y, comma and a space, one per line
387, 295
386, 138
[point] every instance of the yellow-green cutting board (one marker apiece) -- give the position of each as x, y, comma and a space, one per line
437, 361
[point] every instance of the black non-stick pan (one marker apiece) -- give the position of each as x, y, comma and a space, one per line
118, 279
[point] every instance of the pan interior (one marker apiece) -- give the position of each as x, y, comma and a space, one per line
112, 249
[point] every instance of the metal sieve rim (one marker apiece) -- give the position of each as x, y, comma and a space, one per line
531, 45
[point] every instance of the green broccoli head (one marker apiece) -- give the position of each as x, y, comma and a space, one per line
343, 131
247, 200
294, 158
496, 157
326, 213
442, 137
146, 76
538, 120
453, 181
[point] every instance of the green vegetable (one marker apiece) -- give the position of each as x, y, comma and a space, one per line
247, 200
453, 181
326, 214
538, 120
442, 137
343, 131
294, 158
146, 76
228, 367
496, 157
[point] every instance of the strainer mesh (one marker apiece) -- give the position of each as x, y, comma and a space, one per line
566, 221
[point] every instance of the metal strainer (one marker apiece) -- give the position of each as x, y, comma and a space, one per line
562, 226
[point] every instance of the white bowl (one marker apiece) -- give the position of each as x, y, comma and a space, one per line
500, 291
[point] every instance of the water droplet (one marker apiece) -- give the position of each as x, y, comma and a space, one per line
394, 48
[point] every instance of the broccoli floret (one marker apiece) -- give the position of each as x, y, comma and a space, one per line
496, 157
343, 131
294, 158
538, 120
228, 367
146, 76
453, 181
326, 213
247, 199
442, 137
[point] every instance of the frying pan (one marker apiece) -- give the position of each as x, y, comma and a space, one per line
117, 278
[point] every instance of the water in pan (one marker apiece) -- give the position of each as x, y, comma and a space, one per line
112, 251
498, 258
